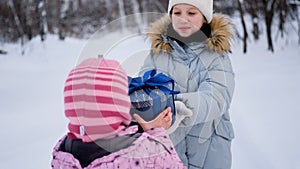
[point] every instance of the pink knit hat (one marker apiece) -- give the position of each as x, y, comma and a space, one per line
96, 100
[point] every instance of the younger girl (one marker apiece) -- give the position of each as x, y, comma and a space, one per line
99, 135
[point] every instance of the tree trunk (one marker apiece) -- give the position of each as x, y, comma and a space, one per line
18, 23
64, 6
255, 27
159, 6
282, 15
244, 26
137, 14
144, 10
298, 21
42, 20
28, 19
269, 13
108, 8
79, 4
52, 8
122, 14
295, 9
268, 21
255, 22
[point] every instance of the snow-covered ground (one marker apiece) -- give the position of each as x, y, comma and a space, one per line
265, 109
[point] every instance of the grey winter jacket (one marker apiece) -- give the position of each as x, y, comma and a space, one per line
202, 73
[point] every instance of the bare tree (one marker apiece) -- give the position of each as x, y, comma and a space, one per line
253, 10
64, 6
295, 14
269, 7
79, 2
108, 5
20, 29
159, 5
122, 13
28, 18
25, 19
283, 10
137, 14
42, 19
298, 21
244, 26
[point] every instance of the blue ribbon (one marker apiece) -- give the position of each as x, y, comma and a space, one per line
151, 80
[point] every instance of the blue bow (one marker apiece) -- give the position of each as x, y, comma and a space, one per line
151, 80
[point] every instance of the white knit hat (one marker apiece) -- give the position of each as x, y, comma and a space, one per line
205, 6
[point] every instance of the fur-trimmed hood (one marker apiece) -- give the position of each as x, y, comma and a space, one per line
221, 34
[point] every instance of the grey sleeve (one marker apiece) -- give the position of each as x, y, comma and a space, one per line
214, 94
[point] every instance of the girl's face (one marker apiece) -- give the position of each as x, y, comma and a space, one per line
186, 19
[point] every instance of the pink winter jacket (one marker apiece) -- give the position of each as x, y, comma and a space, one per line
153, 149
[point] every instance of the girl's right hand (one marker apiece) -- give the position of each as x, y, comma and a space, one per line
164, 119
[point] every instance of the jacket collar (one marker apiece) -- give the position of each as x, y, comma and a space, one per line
199, 36
220, 39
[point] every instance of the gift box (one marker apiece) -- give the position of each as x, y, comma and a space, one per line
151, 94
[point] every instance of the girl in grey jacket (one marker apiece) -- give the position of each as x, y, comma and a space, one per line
191, 45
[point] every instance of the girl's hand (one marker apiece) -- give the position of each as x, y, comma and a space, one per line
164, 119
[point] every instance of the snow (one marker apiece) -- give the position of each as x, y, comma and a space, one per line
264, 111
265, 108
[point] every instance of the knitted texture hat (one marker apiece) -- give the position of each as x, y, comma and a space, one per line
96, 100
205, 6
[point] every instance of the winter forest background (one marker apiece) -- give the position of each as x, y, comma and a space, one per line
22, 20
41, 40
